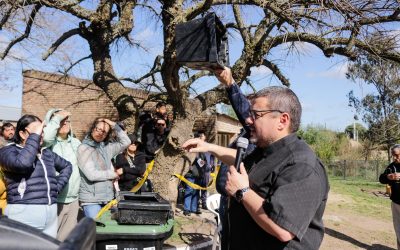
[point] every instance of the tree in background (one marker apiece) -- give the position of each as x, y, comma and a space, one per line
360, 131
275, 29
381, 110
327, 144
228, 110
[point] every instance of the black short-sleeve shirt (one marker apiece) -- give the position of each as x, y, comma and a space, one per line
293, 182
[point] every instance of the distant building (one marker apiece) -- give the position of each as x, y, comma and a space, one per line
9, 114
86, 101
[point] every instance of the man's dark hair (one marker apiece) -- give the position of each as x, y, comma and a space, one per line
22, 123
160, 104
197, 134
134, 139
7, 125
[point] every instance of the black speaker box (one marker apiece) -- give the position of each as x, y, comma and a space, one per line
202, 43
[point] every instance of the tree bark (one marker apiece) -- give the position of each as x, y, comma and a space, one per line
172, 159
105, 77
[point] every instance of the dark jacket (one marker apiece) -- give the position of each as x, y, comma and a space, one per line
153, 142
241, 106
199, 171
31, 177
395, 185
131, 171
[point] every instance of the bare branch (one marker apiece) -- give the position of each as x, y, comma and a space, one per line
65, 72
196, 76
330, 46
149, 7
250, 84
26, 33
71, 7
365, 22
198, 9
212, 97
154, 97
125, 24
155, 69
239, 21
6, 16
59, 41
277, 72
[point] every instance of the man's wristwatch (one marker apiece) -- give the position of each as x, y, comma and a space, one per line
240, 194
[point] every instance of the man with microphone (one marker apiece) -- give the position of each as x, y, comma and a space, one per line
280, 192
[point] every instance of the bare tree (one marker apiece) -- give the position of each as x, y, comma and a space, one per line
335, 27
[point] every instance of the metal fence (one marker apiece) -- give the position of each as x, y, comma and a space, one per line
357, 169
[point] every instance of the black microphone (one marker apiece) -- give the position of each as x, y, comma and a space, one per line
241, 145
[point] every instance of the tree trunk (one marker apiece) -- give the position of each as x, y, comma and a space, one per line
104, 77
172, 159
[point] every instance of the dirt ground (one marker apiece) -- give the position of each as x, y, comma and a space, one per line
346, 230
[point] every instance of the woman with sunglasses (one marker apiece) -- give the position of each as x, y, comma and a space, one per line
31, 176
132, 165
94, 160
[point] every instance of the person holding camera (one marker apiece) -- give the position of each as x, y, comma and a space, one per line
59, 138
279, 194
391, 176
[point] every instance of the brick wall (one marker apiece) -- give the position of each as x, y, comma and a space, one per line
43, 91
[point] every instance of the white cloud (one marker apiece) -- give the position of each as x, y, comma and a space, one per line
151, 41
144, 35
336, 72
260, 71
300, 47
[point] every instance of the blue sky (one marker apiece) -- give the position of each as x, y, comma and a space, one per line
318, 81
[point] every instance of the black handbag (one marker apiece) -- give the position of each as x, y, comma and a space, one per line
202, 43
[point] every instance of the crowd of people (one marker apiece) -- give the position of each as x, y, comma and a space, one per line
47, 174
276, 198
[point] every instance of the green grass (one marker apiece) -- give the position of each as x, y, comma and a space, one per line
361, 202
177, 229
179, 221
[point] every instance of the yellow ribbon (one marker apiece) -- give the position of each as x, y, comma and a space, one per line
133, 190
144, 178
197, 187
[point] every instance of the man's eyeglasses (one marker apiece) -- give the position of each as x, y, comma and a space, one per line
100, 131
161, 124
255, 114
